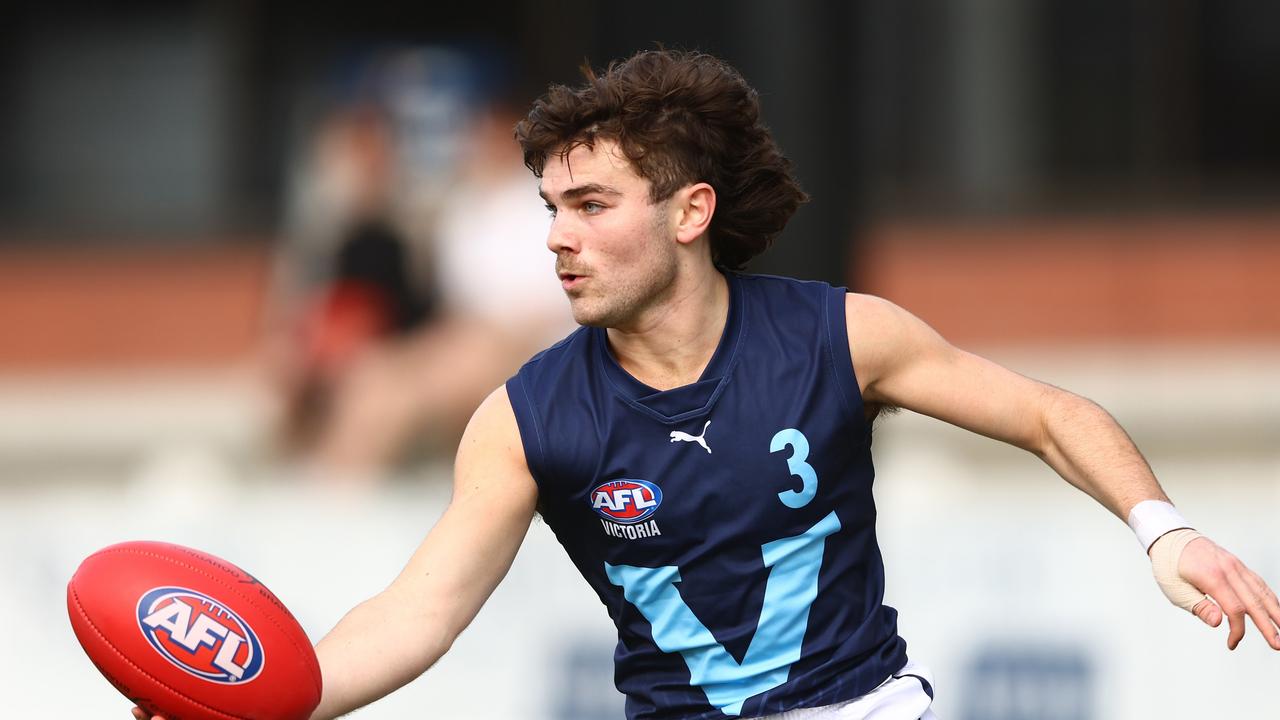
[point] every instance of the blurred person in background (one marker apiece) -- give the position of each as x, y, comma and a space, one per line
347, 269
433, 291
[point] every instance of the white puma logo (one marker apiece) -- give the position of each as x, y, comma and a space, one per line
678, 436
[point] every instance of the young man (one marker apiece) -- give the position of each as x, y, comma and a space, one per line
701, 448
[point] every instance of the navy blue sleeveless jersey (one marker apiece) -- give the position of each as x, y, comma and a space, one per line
727, 525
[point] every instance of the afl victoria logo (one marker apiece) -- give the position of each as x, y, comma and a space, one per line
626, 501
200, 635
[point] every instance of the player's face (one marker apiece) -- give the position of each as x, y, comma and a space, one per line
615, 250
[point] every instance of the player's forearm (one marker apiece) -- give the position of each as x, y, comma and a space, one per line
1087, 447
377, 647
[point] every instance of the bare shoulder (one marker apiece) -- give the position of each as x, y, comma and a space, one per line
493, 420
884, 336
490, 452
871, 314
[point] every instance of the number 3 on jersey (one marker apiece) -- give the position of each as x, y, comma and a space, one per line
798, 467
793, 564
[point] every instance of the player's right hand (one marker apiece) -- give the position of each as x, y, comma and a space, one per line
141, 715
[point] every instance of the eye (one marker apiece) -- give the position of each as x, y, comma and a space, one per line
592, 207
551, 209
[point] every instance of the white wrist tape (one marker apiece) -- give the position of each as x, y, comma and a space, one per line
1165, 554
1150, 519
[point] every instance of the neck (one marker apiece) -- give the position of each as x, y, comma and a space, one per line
673, 342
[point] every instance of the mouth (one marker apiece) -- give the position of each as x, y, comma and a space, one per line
568, 281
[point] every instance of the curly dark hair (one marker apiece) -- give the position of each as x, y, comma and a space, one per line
680, 118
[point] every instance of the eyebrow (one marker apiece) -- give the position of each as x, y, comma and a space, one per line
580, 190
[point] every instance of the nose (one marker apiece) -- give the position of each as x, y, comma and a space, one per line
560, 237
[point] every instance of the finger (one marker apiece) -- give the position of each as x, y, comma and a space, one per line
141, 714
1233, 607
1246, 589
1229, 606
1269, 600
1208, 612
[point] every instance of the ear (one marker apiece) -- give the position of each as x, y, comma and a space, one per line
694, 205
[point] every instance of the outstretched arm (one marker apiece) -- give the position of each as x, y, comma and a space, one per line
396, 635
393, 637
900, 361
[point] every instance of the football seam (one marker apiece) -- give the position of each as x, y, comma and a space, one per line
284, 631
85, 616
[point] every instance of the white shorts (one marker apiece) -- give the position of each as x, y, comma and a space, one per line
905, 695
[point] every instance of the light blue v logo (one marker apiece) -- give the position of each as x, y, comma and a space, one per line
793, 564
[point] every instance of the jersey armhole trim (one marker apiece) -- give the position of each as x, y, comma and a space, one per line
527, 423
838, 353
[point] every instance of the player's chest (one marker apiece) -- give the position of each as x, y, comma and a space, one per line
707, 480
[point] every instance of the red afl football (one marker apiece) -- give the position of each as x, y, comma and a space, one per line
188, 636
